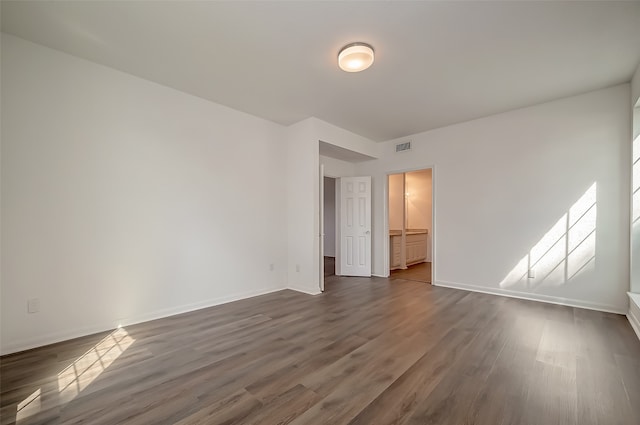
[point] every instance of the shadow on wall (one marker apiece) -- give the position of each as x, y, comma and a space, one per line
564, 252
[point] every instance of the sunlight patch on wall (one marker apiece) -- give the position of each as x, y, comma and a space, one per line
567, 249
79, 374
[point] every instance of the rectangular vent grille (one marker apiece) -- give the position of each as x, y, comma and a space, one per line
403, 146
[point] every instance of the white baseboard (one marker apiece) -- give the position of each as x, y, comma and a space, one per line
305, 290
634, 312
533, 297
29, 343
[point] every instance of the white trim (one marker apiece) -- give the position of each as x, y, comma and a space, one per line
305, 290
434, 222
321, 230
634, 300
30, 343
338, 264
379, 275
533, 297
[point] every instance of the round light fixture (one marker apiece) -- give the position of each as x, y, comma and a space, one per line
355, 57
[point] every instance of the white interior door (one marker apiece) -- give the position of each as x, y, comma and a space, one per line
355, 226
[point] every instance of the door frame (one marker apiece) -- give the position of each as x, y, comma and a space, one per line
385, 245
336, 182
321, 228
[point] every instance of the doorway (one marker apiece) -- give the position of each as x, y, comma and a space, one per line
410, 206
329, 221
345, 227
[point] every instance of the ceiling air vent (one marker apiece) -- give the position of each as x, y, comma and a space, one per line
406, 146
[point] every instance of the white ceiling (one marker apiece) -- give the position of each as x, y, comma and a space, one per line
437, 63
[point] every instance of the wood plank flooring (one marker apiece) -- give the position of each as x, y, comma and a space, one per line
329, 266
420, 272
367, 351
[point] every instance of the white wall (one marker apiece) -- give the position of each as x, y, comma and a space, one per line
418, 188
635, 185
537, 164
303, 179
396, 201
337, 136
123, 200
303, 194
329, 217
337, 168
635, 87
634, 285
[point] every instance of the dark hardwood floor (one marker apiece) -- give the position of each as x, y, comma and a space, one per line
420, 272
329, 266
367, 351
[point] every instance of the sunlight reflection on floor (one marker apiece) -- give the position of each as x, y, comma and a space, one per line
79, 374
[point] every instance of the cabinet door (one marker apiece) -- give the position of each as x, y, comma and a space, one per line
395, 251
411, 252
416, 248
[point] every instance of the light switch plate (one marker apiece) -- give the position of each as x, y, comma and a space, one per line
33, 305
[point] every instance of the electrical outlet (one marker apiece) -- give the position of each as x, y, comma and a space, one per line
531, 274
33, 305
272, 267
298, 268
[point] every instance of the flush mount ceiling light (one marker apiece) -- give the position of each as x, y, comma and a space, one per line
355, 57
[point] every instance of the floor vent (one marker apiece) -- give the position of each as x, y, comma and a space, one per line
406, 146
